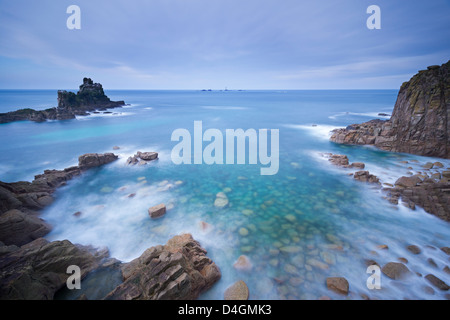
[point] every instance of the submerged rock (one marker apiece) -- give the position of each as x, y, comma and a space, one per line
221, 200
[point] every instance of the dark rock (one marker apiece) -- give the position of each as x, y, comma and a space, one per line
142, 158
365, 176
436, 282
91, 160
414, 249
338, 284
395, 270
18, 228
446, 250
418, 124
180, 270
38, 269
89, 98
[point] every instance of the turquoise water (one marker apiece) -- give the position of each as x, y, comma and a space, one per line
308, 222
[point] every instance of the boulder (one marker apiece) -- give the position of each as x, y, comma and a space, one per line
179, 270
414, 249
157, 211
338, 285
147, 156
408, 182
237, 291
366, 176
395, 270
438, 283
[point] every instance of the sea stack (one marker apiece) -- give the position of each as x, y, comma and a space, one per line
420, 122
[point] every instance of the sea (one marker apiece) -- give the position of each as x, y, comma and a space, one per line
309, 221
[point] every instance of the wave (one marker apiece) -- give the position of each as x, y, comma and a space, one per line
321, 131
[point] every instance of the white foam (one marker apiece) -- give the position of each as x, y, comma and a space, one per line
321, 131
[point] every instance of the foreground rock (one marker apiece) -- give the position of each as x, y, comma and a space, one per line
20, 202
90, 97
179, 270
419, 121
38, 269
237, 291
338, 285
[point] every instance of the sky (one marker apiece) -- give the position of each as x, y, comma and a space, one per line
217, 44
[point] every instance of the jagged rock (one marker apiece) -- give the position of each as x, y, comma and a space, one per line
237, 291
38, 269
419, 121
179, 270
91, 160
18, 228
142, 158
21, 201
89, 98
408, 182
365, 176
338, 285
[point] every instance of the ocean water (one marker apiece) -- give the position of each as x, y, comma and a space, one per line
308, 222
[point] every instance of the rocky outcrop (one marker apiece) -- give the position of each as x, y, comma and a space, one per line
35, 271
90, 97
179, 270
142, 158
21, 201
420, 123
431, 195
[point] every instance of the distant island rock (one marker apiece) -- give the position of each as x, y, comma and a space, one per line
419, 123
89, 98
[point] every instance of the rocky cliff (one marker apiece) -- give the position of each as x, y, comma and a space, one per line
420, 120
90, 97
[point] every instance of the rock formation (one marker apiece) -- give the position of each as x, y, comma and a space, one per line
32, 268
38, 269
420, 123
179, 270
21, 201
89, 98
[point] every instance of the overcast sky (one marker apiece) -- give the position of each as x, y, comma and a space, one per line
238, 44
